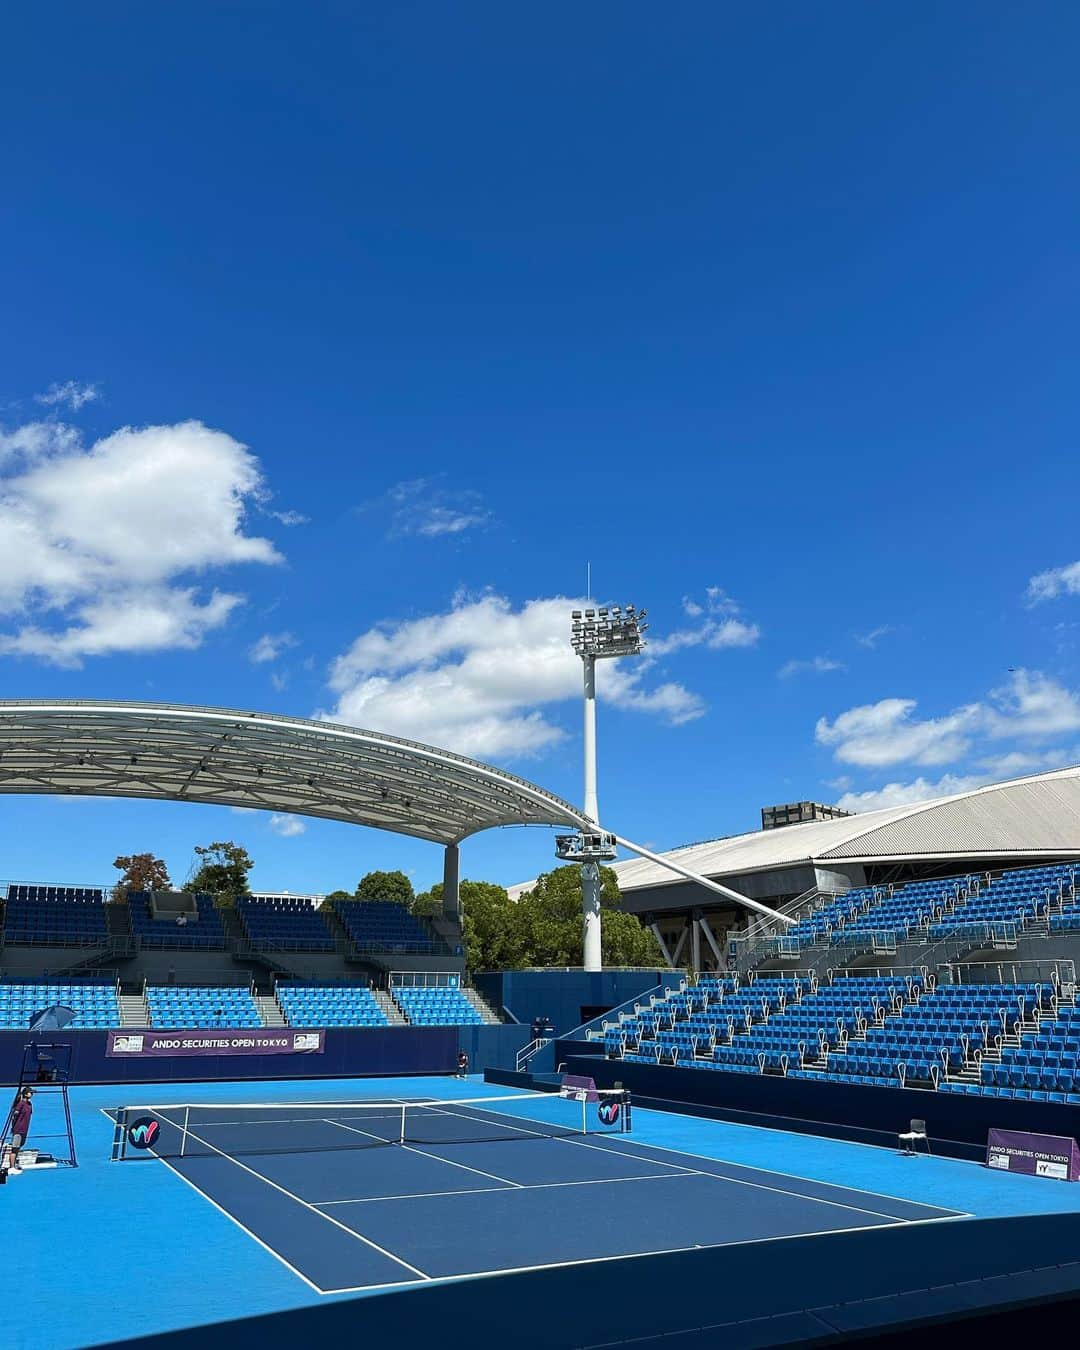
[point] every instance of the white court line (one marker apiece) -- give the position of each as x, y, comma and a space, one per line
794, 1176
758, 1185
435, 1158
329, 1218
500, 1190
661, 1251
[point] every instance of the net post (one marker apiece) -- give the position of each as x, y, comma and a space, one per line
401, 1133
119, 1134
584, 1098
184, 1131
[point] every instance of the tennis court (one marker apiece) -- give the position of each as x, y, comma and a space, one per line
391, 1192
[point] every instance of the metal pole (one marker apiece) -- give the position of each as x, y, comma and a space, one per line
707, 882
592, 807
590, 871
590, 903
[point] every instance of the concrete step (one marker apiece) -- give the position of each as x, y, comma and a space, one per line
391, 1011
133, 1010
269, 1011
482, 1006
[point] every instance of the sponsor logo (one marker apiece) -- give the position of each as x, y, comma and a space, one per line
127, 1045
144, 1132
306, 1040
1045, 1168
608, 1113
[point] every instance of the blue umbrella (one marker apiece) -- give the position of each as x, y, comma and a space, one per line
52, 1019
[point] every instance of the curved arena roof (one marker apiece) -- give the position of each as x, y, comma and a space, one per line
1038, 815
170, 752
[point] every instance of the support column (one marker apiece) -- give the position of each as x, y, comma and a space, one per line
451, 893
590, 901
590, 871
695, 940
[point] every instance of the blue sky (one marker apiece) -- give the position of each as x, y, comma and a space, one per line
338, 338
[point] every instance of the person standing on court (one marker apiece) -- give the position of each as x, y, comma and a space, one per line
462, 1064
20, 1127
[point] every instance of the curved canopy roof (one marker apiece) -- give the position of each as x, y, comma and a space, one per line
1038, 815
175, 753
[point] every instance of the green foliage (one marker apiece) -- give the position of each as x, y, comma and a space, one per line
141, 872
544, 927
428, 904
223, 872
335, 895
389, 887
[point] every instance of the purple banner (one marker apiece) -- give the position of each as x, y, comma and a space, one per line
204, 1041
1034, 1155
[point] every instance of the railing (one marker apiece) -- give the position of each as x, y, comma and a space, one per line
765, 937
425, 979
528, 1052
1061, 971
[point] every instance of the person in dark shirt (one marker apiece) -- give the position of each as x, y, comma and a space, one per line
462, 1064
20, 1127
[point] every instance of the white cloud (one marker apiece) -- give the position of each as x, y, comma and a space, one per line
1032, 705
480, 677
720, 626
871, 639
100, 538
151, 620
287, 827
425, 507
278, 680
905, 794
269, 647
71, 393
32, 440
1030, 708
877, 734
816, 665
290, 517
1055, 582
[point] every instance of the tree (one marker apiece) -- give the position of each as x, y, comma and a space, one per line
223, 871
428, 904
551, 916
389, 887
327, 902
492, 927
141, 872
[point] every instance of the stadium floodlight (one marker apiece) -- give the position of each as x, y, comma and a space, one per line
595, 635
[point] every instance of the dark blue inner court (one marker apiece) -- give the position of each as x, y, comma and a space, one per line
489, 1190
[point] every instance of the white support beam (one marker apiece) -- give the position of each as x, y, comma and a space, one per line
680, 945
706, 928
709, 885
654, 928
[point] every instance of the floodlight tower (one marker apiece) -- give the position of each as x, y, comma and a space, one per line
596, 634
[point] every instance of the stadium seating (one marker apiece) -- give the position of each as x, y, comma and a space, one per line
173, 1006
375, 926
885, 1030
435, 1007
54, 915
283, 924
166, 933
93, 1001
329, 1005
912, 906
1012, 898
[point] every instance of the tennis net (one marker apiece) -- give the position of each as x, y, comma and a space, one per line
237, 1129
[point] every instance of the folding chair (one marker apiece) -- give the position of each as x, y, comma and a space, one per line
909, 1138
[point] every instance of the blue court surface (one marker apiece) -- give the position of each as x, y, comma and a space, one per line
255, 1212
